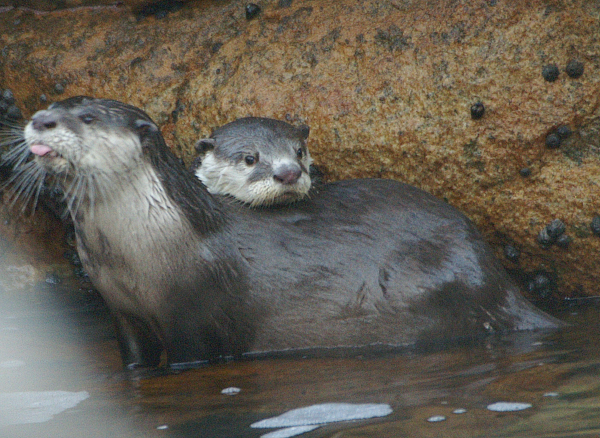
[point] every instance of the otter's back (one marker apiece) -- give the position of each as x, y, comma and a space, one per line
375, 261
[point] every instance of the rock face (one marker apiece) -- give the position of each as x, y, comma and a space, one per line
54, 5
387, 88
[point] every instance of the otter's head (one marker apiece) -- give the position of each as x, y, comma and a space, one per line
85, 143
258, 161
83, 135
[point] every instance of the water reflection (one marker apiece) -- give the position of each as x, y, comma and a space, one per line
57, 350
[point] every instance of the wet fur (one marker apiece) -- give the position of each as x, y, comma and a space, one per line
363, 262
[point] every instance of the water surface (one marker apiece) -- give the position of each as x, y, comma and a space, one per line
61, 376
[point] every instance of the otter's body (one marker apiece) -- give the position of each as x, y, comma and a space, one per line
362, 262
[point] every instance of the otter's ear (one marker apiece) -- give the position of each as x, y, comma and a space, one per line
204, 145
304, 131
144, 127
196, 164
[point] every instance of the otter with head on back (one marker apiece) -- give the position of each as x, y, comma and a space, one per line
201, 276
256, 160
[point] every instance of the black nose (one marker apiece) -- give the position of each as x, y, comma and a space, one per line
287, 175
43, 120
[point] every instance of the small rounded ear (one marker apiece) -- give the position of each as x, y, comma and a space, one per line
304, 131
145, 127
204, 145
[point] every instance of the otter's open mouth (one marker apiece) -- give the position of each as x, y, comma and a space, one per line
42, 150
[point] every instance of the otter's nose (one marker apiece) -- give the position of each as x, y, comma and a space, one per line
287, 174
43, 120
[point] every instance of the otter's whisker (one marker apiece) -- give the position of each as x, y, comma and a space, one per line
99, 184
83, 191
91, 192
25, 182
12, 124
72, 193
10, 138
11, 131
40, 186
16, 155
21, 176
14, 144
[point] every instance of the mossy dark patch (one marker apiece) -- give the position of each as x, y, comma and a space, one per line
472, 156
392, 39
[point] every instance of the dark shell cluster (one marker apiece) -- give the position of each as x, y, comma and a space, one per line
9, 111
553, 234
555, 138
541, 285
10, 117
574, 70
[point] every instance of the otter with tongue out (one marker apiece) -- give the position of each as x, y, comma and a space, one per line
201, 276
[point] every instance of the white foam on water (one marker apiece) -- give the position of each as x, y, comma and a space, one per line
231, 391
36, 406
551, 394
325, 413
508, 406
289, 432
436, 419
459, 411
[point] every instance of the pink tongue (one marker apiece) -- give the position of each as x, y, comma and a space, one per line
40, 149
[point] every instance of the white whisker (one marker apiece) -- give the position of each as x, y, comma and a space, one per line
17, 148
16, 155
91, 192
40, 186
71, 192
81, 193
100, 182
13, 124
25, 183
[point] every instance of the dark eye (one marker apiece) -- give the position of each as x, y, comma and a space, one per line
251, 159
87, 118
299, 153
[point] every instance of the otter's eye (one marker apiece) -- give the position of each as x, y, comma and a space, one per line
251, 159
87, 118
299, 153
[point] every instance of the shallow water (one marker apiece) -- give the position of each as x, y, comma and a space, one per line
61, 376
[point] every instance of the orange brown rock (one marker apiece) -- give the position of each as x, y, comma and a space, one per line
386, 87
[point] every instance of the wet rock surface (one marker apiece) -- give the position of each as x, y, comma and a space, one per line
386, 87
